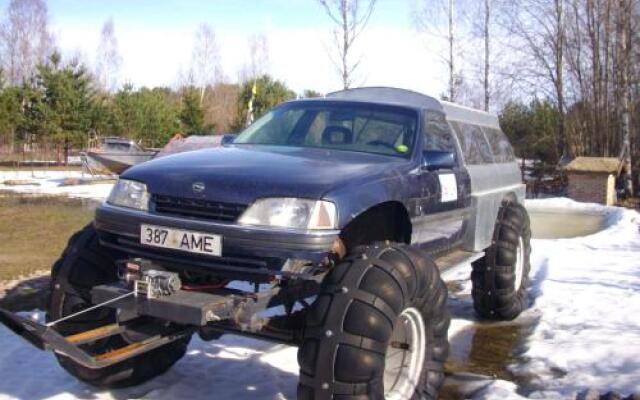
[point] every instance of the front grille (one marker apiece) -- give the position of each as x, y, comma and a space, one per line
196, 208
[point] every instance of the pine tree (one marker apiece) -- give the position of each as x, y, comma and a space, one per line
61, 104
192, 114
269, 93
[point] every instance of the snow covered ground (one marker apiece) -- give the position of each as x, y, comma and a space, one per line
585, 295
56, 182
585, 292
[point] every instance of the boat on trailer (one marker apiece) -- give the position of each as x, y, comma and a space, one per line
113, 155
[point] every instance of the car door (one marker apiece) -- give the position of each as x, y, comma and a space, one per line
443, 213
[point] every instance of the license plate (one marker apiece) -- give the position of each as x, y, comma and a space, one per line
178, 239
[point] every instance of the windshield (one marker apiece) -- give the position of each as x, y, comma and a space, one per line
366, 128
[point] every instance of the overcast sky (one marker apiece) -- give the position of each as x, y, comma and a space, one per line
155, 40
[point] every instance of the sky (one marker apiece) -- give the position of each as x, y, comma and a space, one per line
155, 40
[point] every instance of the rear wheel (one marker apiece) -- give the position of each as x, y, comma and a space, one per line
83, 265
378, 329
500, 278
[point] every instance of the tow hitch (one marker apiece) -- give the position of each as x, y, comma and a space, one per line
144, 292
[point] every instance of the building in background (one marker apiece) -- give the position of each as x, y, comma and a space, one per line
593, 179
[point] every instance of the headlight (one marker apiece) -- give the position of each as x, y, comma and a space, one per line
130, 194
291, 213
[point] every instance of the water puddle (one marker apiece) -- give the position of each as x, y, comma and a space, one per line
482, 351
549, 223
485, 349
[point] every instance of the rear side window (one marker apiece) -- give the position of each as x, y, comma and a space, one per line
437, 133
475, 148
500, 146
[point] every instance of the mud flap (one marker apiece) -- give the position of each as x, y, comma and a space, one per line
45, 337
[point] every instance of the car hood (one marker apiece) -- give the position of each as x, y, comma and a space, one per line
241, 174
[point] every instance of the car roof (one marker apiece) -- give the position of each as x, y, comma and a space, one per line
456, 112
388, 95
409, 98
415, 100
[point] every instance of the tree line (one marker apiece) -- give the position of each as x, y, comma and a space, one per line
60, 105
564, 75
45, 99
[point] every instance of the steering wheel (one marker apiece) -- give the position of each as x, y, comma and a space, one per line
383, 144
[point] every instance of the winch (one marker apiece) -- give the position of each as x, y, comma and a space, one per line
147, 281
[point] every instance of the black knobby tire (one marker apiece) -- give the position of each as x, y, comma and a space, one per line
349, 326
499, 292
83, 265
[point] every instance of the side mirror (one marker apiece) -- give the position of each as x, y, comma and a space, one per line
227, 139
433, 160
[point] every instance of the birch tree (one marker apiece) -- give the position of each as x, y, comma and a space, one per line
206, 67
108, 60
350, 18
258, 58
25, 39
429, 18
539, 26
487, 52
258, 55
624, 44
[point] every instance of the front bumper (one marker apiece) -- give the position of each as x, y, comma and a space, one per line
244, 248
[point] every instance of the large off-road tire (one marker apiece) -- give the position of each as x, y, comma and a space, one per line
378, 329
501, 277
83, 265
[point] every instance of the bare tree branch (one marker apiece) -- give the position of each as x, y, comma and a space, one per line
206, 67
108, 59
350, 20
25, 39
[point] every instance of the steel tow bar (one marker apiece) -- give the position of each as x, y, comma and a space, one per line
45, 337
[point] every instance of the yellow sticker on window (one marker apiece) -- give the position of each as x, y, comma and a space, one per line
401, 148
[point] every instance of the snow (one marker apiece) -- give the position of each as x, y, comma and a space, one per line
47, 182
585, 293
233, 368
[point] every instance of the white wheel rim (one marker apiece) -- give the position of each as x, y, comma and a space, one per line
405, 356
519, 264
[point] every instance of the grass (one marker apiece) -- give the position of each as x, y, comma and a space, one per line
35, 230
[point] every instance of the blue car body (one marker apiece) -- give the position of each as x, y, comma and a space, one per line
233, 177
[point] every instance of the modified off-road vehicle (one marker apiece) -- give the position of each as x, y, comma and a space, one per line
324, 225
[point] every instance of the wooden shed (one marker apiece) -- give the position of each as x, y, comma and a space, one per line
593, 179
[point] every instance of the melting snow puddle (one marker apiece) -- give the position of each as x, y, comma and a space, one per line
560, 223
574, 336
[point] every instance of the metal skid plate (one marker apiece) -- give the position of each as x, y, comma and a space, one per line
47, 338
30, 330
182, 307
188, 310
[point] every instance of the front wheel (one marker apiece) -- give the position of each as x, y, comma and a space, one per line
377, 330
83, 265
500, 278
